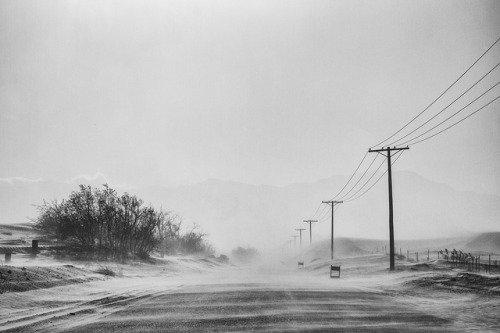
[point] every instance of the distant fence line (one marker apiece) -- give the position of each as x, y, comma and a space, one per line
471, 261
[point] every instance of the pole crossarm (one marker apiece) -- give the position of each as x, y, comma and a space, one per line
332, 202
385, 150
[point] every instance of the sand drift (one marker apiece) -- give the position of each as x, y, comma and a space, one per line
189, 294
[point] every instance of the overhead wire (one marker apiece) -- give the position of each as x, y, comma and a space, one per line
444, 92
345, 185
453, 115
328, 217
456, 123
398, 155
362, 176
444, 109
317, 209
364, 185
357, 168
322, 213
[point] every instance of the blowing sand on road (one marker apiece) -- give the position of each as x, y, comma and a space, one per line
184, 294
249, 166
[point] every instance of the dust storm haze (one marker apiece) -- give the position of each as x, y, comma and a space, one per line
235, 122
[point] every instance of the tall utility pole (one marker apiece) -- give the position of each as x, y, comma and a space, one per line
300, 236
332, 203
310, 229
389, 176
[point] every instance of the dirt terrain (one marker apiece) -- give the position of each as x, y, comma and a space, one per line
185, 294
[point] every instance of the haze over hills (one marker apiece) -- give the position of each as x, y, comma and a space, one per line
350, 247
234, 214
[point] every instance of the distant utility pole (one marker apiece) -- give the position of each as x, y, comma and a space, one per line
310, 229
332, 203
295, 241
389, 176
300, 236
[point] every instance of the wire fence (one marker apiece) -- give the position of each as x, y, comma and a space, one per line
473, 261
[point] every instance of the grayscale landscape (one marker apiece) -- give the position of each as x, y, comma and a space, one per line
249, 166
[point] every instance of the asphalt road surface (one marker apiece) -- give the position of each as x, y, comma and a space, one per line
252, 300
261, 307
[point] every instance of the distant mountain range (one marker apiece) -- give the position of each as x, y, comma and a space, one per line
234, 214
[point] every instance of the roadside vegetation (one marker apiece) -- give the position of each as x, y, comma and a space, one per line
98, 222
245, 255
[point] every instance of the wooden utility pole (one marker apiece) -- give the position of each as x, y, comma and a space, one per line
310, 229
332, 203
388, 151
300, 236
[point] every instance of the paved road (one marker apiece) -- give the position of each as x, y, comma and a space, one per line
236, 300
266, 308
270, 302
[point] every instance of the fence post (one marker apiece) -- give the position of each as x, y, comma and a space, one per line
8, 257
428, 252
479, 267
407, 255
416, 255
34, 247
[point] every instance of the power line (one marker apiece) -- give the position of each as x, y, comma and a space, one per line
374, 173
437, 114
336, 195
362, 176
314, 215
453, 115
321, 212
324, 213
378, 179
473, 113
444, 92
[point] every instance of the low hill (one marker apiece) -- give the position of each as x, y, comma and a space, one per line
350, 247
343, 247
485, 242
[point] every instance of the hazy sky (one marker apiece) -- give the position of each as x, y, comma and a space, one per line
262, 92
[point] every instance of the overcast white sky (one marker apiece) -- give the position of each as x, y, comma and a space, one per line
262, 92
